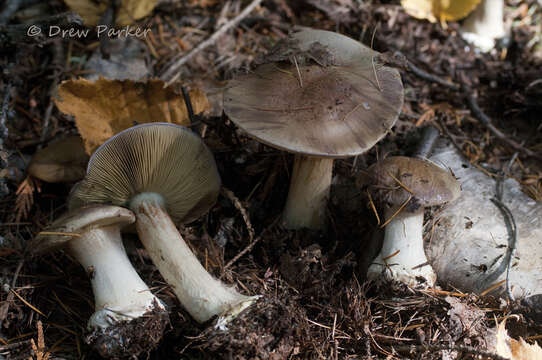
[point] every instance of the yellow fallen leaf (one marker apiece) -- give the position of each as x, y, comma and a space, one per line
442, 10
105, 107
513, 349
129, 10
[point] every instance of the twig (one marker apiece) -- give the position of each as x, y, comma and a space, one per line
237, 203
486, 121
251, 245
512, 229
172, 73
473, 106
189, 108
430, 77
459, 348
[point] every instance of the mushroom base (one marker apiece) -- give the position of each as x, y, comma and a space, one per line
126, 339
402, 257
308, 194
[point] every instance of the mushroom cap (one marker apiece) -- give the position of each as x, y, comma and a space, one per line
430, 184
344, 50
161, 158
61, 161
333, 111
78, 221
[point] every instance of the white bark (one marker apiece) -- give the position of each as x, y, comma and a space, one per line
119, 292
471, 242
202, 295
403, 236
309, 190
485, 24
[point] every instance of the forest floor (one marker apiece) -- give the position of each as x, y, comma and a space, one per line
315, 303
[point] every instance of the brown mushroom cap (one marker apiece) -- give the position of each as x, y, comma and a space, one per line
333, 111
77, 221
430, 184
162, 158
62, 161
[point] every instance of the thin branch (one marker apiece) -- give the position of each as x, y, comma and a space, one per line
251, 245
171, 74
486, 121
473, 106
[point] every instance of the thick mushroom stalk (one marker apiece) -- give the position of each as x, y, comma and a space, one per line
485, 24
128, 319
201, 295
334, 101
402, 257
404, 186
119, 292
309, 191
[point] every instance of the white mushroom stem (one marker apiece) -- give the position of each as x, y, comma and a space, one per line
308, 194
485, 24
402, 257
202, 295
119, 292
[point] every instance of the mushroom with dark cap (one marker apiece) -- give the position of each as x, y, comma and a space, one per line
317, 112
404, 187
61, 161
164, 173
128, 319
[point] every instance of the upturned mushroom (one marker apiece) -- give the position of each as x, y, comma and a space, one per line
404, 187
333, 100
61, 161
128, 318
165, 174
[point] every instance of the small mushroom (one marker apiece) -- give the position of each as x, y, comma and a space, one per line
128, 318
404, 187
317, 112
164, 173
484, 25
61, 161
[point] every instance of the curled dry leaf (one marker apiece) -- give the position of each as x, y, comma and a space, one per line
106, 107
442, 10
513, 349
129, 10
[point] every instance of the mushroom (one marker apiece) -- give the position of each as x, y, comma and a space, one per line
484, 25
160, 170
472, 240
317, 112
405, 186
128, 318
61, 161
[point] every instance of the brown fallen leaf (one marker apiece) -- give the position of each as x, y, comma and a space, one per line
129, 10
513, 349
106, 107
